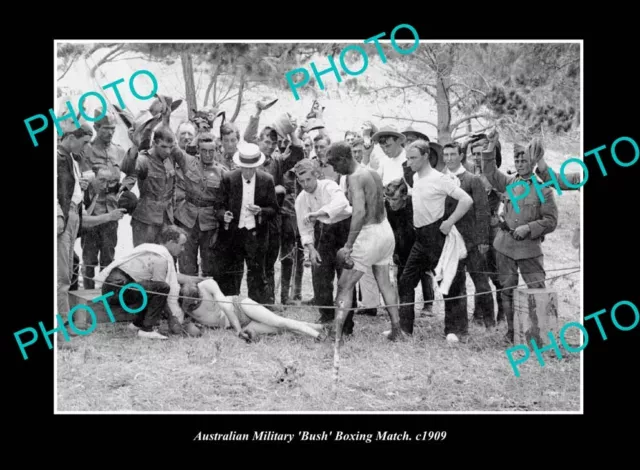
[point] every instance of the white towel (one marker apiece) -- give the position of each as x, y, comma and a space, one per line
453, 251
171, 279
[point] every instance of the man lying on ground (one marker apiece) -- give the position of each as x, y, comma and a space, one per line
210, 307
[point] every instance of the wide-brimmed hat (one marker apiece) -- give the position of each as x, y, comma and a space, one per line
284, 124
109, 118
411, 130
248, 156
388, 130
128, 201
436, 153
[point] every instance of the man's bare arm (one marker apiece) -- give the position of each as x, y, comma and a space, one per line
359, 212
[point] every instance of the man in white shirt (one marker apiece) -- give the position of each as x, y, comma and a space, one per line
323, 214
430, 190
248, 204
391, 142
151, 266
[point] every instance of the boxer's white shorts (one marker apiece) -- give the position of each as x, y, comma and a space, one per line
374, 246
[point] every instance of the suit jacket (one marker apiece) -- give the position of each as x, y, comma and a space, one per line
474, 226
67, 180
264, 196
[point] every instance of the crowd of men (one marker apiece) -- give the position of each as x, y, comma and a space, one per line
209, 204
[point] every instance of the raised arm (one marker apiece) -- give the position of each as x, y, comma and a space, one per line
546, 173
251, 132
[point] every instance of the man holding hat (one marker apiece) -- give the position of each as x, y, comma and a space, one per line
390, 140
195, 213
518, 243
155, 171
248, 204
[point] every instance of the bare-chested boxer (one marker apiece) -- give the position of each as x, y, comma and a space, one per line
371, 242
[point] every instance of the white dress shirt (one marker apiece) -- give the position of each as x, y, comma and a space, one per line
327, 197
247, 219
391, 168
77, 190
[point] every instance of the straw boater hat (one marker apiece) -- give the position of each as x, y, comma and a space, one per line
388, 130
248, 156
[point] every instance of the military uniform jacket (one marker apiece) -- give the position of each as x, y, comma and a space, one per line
156, 181
542, 218
201, 194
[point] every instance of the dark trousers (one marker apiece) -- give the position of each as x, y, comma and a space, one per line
147, 233
492, 268
424, 256
98, 245
455, 310
291, 253
425, 280
531, 270
475, 263
202, 241
271, 256
132, 297
238, 247
329, 238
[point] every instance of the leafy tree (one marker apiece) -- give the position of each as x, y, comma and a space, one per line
523, 89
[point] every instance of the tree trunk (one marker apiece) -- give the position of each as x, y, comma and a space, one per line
189, 83
239, 99
444, 111
445, 59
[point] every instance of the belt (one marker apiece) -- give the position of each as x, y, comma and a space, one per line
199, 202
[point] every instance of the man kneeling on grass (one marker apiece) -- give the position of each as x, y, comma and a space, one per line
207, 305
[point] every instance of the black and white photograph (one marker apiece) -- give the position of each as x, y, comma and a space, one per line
377, 226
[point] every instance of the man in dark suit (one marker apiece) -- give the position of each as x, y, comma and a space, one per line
475, 230
248, 204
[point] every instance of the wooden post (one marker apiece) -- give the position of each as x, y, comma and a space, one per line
86, 297
535, 314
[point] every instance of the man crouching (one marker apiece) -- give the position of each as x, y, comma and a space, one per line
151, 266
